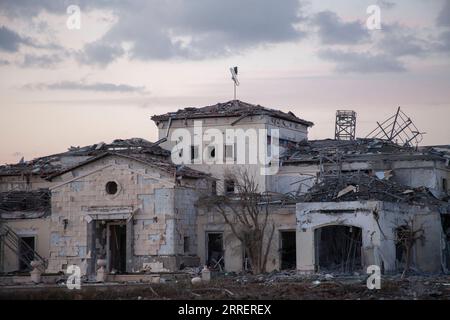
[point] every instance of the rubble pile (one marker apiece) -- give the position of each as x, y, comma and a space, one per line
54, 164
362, 186
327, 149
233, 108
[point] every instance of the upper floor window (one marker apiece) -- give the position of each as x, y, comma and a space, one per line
229, 186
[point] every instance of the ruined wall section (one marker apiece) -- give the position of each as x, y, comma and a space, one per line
144, 192
288, 131
23, 183
282, 217
186, 225
378, 221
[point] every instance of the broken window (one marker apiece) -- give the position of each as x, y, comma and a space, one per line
400, 256
194, 153
229, 186
111, 187
288, 253
215, 252
229, 152
338, 248
26, 252
186, 245
214, 188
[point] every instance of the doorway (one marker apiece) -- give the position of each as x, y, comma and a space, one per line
288, 252
214, 250
117, 247
338, 248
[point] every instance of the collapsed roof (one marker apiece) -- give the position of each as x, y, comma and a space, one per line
314, 151
232, 108
136, 148
361, 186
147, 158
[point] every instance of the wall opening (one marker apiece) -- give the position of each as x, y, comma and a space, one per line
445, 218
111, 187
288, 253
400, 252
229, 186
117, 247
215, 252
338, 248
186, 245
26, 252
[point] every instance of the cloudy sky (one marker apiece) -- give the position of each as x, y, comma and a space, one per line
131, 59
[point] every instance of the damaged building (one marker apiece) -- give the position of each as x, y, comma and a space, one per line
335, 205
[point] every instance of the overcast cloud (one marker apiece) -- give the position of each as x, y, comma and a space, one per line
315, 56
333, 30
82, 86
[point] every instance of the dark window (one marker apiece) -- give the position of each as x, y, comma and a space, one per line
444, 184
229, 186
194, 152
26, 252
229, 151
111, 187
186, 244
214, 188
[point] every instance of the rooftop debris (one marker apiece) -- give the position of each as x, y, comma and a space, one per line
143, 156
54, 164
398, 128
361, 186
327, 150
25, 201
232, 108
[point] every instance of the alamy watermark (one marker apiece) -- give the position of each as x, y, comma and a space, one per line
374, 280
373, 22
73, 22
74, 279
230, 146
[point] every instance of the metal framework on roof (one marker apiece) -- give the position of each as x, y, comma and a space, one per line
398, 128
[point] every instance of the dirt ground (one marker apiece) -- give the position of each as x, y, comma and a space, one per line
249, 287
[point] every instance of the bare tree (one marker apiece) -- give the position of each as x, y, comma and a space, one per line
407, 235
246, 212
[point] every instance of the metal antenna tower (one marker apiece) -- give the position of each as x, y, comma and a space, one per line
345, 128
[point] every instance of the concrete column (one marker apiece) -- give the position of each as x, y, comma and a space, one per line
90, 241
233, 253
305, 251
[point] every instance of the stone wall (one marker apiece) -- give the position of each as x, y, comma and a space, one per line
378, 221
146, 196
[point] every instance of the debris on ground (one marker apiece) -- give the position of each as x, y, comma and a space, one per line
285, 285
